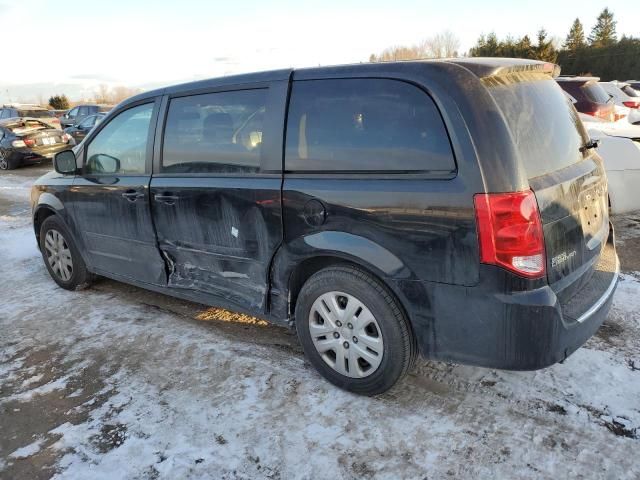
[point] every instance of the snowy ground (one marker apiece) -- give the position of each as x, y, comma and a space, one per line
116, 382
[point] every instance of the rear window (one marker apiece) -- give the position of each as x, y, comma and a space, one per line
365, 125
545, 126
35, 113
595, 92
632, 92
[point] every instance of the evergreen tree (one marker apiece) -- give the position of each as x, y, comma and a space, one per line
575, 39
59, 102
604, 31
545, 50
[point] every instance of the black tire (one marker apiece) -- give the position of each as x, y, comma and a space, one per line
80, 277
399, 349
5, 163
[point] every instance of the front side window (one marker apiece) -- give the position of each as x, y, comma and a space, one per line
215, 132
365, 125
121, 146
73, 112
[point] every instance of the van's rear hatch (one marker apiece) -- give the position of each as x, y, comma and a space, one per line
567, 177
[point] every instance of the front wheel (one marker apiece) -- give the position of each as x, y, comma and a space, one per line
353, 331
61, 256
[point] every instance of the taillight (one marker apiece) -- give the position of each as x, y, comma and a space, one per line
510, 232
66, 137
631, 104
29, 142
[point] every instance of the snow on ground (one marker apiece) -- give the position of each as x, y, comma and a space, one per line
115, 382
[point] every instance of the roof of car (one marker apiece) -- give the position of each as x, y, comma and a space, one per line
480, 66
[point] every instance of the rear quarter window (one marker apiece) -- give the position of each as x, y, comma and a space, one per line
365, 125
544, 125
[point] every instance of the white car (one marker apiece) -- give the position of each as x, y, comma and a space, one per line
620, 149
625, 103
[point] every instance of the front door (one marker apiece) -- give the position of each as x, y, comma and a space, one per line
216, 194
111, 198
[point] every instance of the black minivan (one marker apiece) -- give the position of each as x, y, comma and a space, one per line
455, 209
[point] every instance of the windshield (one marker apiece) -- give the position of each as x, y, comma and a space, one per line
544, 125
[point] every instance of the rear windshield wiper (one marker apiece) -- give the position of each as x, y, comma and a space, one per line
589, 145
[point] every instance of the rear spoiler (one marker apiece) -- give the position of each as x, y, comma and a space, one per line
486, 68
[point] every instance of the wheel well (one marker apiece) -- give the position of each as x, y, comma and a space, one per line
41, 215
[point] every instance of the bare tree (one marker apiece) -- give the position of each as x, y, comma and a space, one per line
114, 95
102, 94
442, 45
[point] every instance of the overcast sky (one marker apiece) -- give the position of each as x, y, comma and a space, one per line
61, 46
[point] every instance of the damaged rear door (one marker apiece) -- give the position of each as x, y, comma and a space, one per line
215, 190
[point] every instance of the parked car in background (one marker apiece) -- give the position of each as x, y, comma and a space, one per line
628, 89
58, 113
620, 150
78, 113
590, 96
398, 219
25, 141
80, 130
635, 84
20, 110
630, 105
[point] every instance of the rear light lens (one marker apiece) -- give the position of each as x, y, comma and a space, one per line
66, 137
631, 104
29, 142
510, 232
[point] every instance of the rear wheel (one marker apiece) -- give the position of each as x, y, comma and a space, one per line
353, 331
61, 256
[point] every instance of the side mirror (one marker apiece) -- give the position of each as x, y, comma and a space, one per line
65, 162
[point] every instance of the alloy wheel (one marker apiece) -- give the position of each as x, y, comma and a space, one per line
346, 334
4, 163
58, 255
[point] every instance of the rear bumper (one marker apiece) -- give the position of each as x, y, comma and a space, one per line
490, 325
25, 156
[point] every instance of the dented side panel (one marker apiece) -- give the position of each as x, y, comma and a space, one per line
220, 234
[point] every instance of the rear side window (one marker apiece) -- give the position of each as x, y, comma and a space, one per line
365, 125
595, 92
544, 125
630, 91
215, 132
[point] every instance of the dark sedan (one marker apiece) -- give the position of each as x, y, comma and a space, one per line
80, 130
27, 141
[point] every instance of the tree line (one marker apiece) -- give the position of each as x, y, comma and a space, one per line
601, 53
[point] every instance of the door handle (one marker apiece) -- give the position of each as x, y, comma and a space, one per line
166, 198
132, 195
